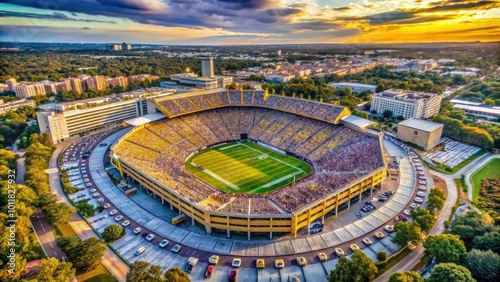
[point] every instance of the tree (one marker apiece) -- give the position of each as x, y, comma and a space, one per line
436, 199
489, 102
176, 275
88, 254
51, 270
445, 247
484, 265
382, 256
112, 232
359, 268
471, 226
59, 213
408, 276
144, 271
450, 272
47, 199
407, 232
380, 88
488, 241
387, 113
86, 209
425, 218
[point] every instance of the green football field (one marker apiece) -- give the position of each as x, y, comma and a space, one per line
246, 167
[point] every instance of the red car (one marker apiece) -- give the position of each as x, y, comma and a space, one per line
402, 217
210, 270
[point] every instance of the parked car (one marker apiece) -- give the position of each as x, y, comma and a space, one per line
163, 243
213, 259
279, 263
379, 235
126, 223
96, 195
106, 205
367, 241
137, 230
339, 252
301, 261
418, 200
389, 228
236, 262
421, 194
210, 270
402, 217
150, 237
422, 187
100, 200
118, 218
413, 205
322, 257
139, 251
354, 247
260, 263
176, 249
92, 190
407, 212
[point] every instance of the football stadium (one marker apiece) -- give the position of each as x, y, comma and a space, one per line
249, 161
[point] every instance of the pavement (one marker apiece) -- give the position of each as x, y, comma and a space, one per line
110, 260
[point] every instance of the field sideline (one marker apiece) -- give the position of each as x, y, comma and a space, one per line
245, 167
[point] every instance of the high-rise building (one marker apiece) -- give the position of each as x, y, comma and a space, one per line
115, 47
126, 46
76, 84
50, 87
117, 81
29, 90
279, 53
11, 83
207, 67
96, 83
408, 104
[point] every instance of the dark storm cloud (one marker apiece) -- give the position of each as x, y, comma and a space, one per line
457, 5
55, 16
341, 9
396, 17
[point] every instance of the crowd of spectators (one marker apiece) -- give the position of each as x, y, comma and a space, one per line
338, 154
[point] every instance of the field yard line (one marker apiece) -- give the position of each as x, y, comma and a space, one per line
218, 178
277, 180
227, 147
273, 158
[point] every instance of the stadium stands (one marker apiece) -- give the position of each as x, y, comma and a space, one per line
339, 155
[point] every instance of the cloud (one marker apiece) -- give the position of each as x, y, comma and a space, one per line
462, 5
55, 16
58, 15
86, 27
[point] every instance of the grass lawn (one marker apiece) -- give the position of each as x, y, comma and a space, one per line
100, 274
490, 170
449, 170
246, 167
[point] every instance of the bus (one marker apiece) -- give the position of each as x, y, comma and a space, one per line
178, 219
130, 192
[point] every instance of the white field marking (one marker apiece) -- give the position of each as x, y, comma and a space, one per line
218, 177
230, 146
277, 180
274, 158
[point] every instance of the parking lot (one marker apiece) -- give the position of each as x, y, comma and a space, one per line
451, 153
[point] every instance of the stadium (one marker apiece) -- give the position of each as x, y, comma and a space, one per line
248, 161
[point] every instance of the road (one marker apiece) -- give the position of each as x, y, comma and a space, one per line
411, 260
45, 236
110, 260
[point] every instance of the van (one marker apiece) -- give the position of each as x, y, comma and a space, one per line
140, 251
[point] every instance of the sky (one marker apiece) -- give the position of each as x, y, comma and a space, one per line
234, 22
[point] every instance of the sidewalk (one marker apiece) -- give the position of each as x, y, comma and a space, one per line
110, 260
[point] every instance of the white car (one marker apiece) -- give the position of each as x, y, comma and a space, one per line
96, 195
418, 200
89, 184
126, 223
389, 228
413, 205
137, 230
118, 218
113, 212
85, 175
92, 190
107, 205
150, 237
422, 187
407, 212
163, 243
421, 194
422, 182
100, 200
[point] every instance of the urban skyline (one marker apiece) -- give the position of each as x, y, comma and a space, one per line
224, 22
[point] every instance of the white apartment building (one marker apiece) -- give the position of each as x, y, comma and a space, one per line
68, 124
355, 87
408, 104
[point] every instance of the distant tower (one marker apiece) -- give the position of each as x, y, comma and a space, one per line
11, 83
207, 67
279, 53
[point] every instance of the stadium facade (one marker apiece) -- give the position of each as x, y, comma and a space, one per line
346, 162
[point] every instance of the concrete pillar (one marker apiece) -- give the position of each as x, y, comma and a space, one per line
228, 234
192, 221
162, 201
337, 210
271, 235
208, 229
171, 207
360, 196
248, 235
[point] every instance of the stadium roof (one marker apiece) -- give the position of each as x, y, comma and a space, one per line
420, 124
357, 121
145, 119
492, 110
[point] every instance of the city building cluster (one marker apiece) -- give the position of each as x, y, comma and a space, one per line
78, 84
14, 105
119, 47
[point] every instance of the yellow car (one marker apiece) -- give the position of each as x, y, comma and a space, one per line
236, 262
279, 263
354, 247
322, 257
260, 263
379, 235
213, 260
301, 261
339, 252
367, 241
